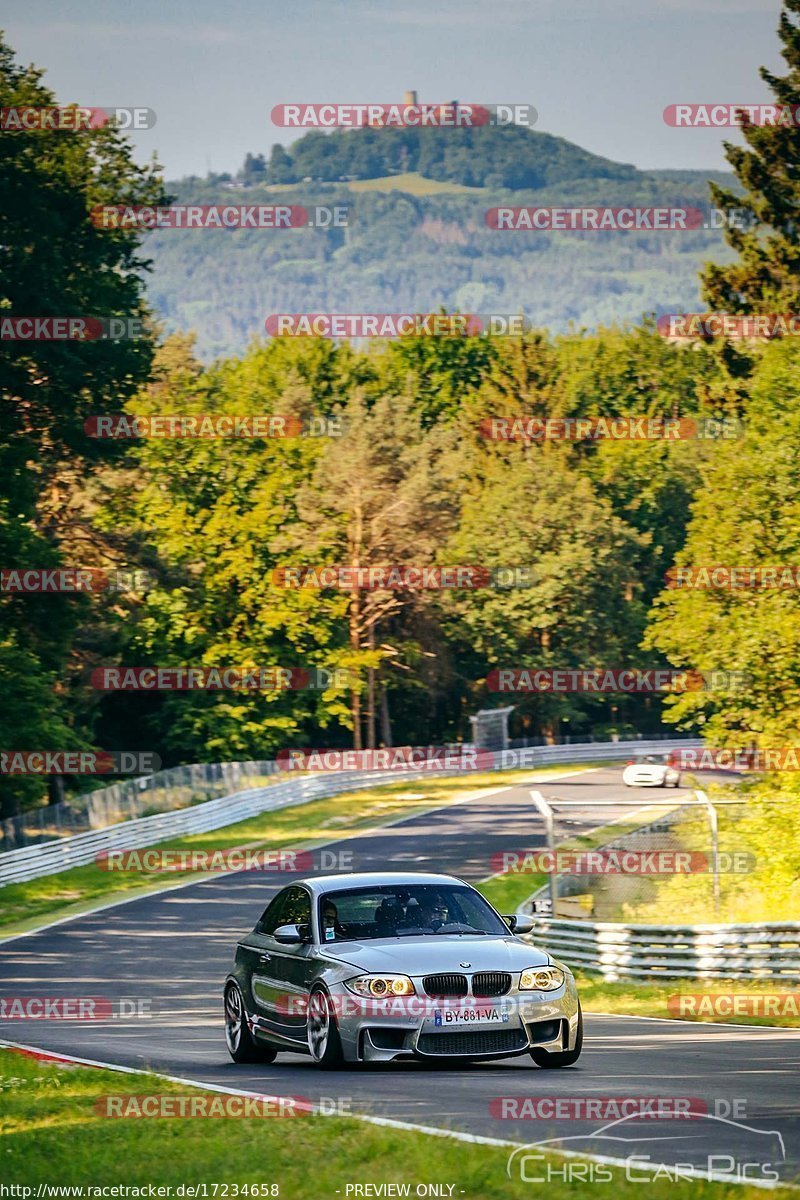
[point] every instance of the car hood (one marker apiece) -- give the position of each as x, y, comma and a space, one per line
425, 955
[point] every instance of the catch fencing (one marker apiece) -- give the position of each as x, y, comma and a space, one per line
49, 857
618, 947
164, 791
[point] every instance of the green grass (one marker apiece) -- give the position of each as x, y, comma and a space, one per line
53, 1134
413, 183
68, 893
631, 998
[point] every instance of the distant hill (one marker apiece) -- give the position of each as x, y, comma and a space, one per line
417, 239
510, 157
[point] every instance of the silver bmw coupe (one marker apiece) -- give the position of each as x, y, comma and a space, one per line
381, 966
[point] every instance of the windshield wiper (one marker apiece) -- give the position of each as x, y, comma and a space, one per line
460, 932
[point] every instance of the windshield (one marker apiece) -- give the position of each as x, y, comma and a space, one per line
417, 910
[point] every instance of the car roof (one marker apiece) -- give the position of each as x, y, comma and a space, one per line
340, 883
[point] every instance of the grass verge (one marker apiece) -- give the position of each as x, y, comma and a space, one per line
693, 1000
54, 1133
415, 184
69, 893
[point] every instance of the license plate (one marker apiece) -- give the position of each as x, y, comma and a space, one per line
458, 1018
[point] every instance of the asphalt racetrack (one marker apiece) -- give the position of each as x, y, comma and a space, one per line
174, 949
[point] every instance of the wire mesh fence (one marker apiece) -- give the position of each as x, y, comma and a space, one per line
165, 791
611, 860
185, 786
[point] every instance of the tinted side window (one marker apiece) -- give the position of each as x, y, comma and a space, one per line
298, 907
292, 906
272, 917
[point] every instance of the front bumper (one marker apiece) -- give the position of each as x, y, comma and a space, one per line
662, 779
547, 1021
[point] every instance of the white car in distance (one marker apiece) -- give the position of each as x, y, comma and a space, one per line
651, 770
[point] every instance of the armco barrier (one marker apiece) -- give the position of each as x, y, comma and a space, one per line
750, 951
30, 862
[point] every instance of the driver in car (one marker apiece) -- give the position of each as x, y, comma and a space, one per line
331, 922
433, 912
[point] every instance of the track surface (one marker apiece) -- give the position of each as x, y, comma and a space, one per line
174, 949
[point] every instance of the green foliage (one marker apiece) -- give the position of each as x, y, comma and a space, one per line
511, 157
746, 512
411, 481
765, 275
56, 263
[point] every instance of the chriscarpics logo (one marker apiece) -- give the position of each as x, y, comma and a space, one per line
641, 1148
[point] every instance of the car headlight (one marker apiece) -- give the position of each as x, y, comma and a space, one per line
381, 985
541, 979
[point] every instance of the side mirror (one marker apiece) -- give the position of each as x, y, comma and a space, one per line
519, 924
290, 935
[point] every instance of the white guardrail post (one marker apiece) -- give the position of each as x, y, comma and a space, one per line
549, 824
713, 825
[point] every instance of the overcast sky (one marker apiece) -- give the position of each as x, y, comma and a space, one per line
600, 72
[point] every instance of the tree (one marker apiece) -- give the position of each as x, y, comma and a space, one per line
376, 499
527, 507
766, 275
746, 512
254, 169
281, 169
56, 263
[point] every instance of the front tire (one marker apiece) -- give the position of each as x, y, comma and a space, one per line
566, 1058
242, 1046
324, 1041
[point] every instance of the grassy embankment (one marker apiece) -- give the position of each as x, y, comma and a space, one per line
54, 1132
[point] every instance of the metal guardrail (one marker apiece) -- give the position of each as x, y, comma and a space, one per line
48, 858
769, 950
616, 950
128, 799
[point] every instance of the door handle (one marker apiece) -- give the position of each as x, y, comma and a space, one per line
263, 958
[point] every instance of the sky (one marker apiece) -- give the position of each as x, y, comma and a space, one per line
599, 72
